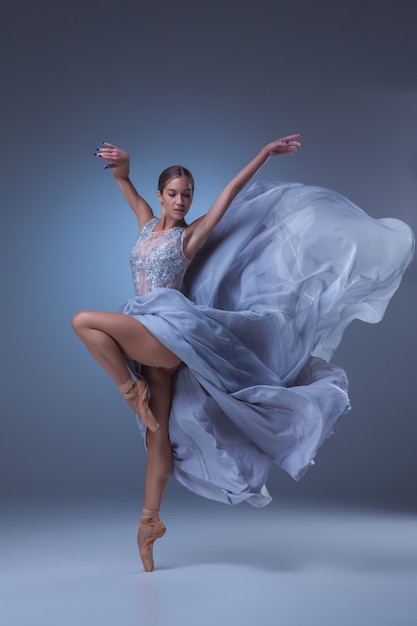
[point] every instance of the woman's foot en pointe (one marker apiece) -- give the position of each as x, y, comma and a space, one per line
136, 394
150, 529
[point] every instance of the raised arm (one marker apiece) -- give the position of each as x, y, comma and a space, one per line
200, 229
120, 164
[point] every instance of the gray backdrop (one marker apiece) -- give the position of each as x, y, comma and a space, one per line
204, 84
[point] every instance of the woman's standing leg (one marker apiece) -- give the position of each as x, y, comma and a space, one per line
159, 462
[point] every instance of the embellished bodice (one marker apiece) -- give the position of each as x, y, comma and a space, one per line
157, 258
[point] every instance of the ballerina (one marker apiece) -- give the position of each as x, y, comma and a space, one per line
224, 352
164, 250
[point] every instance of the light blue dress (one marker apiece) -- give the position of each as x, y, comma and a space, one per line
255, 320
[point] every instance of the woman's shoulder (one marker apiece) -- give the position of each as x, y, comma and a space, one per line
149, 225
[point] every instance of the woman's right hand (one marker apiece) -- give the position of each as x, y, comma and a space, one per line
119, 159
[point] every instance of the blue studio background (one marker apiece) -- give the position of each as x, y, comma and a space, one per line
206, 85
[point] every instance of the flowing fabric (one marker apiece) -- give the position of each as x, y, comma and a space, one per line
263, 308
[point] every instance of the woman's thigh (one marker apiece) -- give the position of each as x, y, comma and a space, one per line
134, 339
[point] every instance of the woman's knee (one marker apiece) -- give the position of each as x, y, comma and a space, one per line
81, 321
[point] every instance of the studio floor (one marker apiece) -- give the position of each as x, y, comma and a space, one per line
77, 565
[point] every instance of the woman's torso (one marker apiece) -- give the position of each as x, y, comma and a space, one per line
157, 259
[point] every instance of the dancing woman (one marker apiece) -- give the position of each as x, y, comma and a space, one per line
233, 351
164, 250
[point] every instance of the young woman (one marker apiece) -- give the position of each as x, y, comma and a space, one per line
233, 356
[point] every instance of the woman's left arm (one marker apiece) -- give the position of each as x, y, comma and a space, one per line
199, 230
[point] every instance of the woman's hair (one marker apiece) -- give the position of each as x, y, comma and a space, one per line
175, 171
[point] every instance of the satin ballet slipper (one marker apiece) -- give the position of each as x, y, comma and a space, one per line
151, 525
136, 394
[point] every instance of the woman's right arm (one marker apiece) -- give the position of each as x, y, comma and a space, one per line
120, 164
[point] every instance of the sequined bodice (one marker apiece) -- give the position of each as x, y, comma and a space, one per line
157, 258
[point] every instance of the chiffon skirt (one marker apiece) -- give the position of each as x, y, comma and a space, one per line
264, 307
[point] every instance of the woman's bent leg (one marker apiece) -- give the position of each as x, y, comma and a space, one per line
110, 337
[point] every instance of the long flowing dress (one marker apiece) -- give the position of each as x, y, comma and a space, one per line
255, 321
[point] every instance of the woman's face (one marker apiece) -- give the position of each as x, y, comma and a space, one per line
176, 197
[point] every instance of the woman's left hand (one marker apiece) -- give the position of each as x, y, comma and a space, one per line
285, 145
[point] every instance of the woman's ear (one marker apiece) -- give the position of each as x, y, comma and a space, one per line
159, 196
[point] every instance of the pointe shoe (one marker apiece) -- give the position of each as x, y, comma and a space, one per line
136, 394
151, 524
